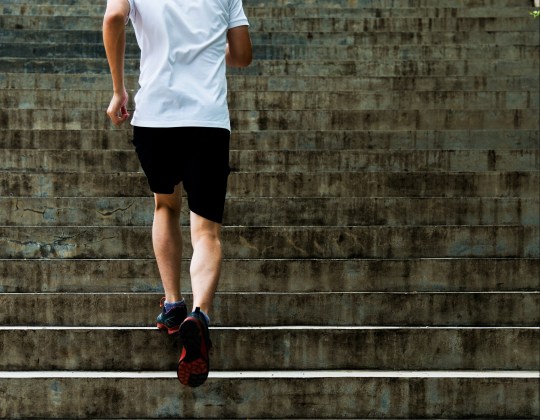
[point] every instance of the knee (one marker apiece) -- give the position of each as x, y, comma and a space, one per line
169, 209
206, 238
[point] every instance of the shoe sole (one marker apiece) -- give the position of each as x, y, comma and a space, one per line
193, 368
170, 331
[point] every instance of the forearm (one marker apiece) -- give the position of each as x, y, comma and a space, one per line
114, 39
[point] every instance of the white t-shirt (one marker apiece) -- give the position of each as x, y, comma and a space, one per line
182, 42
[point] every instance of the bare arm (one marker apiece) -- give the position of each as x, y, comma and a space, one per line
114, 39
239, 50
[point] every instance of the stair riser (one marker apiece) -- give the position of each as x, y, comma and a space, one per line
245, 100
279, 12
305, 24
285, 161
282, 242
399, 184
275, 349
277, 276
278, 212
296, 52
140, 310
272, 398
366, 39
294, 140
485, 85
280, 68
527, 119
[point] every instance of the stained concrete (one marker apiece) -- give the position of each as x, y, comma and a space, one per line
279, 275
274, 348
272, 398
279, 309
404, 133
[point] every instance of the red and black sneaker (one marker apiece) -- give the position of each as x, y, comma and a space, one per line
172, 319
194, 363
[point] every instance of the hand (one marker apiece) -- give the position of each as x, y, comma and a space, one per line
117, 110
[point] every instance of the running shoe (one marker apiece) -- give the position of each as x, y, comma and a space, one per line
194, 362
172, 319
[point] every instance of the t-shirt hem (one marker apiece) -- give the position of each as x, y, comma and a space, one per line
171, 124
239, 22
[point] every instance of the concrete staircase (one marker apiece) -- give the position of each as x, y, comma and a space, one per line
381, 233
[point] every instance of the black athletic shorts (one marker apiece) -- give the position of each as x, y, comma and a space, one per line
196, 156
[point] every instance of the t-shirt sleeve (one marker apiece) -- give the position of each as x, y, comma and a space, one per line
237, 17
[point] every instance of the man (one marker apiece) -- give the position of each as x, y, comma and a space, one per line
181, 136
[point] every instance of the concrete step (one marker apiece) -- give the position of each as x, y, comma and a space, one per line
524, 23
287, 161
274, 348
367, 39
138, 211
253, 12
246, 394
306, 309
363, 100
386, 85
242, 99
278, 276
321, 67
282, 242
286, 119
120, 139
295, 52
252, 184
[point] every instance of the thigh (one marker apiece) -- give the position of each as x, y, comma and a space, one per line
158, 152
206, 171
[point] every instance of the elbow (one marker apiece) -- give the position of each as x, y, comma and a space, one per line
244, 61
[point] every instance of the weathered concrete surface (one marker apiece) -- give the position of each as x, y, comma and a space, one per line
287, 161
315, 309
488, 84
284, 348
457, 79
364, 39
282, 242
243, 99
249, 184
437, 119
294, 52
120, 139
311, 10
337, 3
307, 24
272, 398
348, 68
278, 276
354, 211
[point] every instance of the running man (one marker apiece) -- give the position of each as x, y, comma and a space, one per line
181, 136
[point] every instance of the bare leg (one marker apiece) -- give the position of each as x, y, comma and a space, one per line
167, 241
206, 261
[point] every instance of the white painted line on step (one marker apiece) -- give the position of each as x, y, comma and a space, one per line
269, 328
153, 294
278, 374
